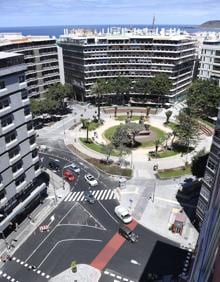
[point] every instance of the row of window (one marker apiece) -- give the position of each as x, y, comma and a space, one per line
12, 136
5, 102
21, 79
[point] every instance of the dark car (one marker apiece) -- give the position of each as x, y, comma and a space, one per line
88, 196
127, 233
54, 165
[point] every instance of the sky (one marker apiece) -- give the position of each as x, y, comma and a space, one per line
84, 12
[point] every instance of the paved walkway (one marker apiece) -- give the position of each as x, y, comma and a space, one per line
155, 210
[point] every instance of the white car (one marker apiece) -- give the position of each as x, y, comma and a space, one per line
74, 168
123, 214
91, 180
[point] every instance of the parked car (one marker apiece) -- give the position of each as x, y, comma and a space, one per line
123, 214
68, 175
88, 196
91, 180
75, 168
128, 234
54, 164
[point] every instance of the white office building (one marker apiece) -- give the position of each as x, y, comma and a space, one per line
20, 173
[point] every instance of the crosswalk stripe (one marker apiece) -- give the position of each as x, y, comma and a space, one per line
103, 195
107, 195
97, 192
72, 196
75, 196
112, 196
68, 196
81, 194
93, 192
100, 194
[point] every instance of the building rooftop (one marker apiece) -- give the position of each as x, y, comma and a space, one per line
123, 33
17, 37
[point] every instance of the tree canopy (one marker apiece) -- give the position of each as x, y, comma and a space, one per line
203, 98
199, 164
187, 128
159, 85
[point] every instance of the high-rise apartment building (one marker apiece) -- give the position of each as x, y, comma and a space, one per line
20, 183
206, 266
210, 60
41, 57
208, 182
134, 53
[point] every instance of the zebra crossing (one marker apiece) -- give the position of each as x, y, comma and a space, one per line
99, 195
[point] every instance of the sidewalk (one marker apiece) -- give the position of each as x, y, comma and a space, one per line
55, 195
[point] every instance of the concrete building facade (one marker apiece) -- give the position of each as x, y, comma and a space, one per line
19, 161
41, 57
210, 60
206, 266
135, 53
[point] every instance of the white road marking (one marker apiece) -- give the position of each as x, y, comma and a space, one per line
80, 196
107, 212
100, 194
68, 196
49, 234
76, 195
66, 240
103, 196
96, 194
167, 200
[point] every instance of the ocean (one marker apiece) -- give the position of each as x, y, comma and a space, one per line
58, 30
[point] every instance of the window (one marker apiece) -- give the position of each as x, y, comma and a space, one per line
7, 121
36, 166
17, 166
34, 154
21, 78
20, 180
208, 178
10, 137
32, 140
14, 152
0, 179
27, 111
2, 194
24, 94
2, 84
29, 126
205, 193
202, 206
4, 104
211, 165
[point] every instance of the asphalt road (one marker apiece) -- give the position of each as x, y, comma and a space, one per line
79, 232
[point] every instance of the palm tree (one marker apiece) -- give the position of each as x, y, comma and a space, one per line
157, 143
168, 115
131, 113
147, 112
87, 126
116, 109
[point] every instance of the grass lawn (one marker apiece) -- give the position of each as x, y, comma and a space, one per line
115, 170
170, 173
110, 132
123, 118
160, 134
98, 148
93, 125
172, 125
167, 153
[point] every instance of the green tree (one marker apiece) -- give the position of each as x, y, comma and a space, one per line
121, 86
159, 85
99, 88
187, 128
203, 98
141, 86
168, 115
58, 92
199, 163
116, 110
107, 150
157, 143
147, 111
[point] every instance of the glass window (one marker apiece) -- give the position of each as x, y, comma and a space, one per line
205, 193
10, 137
211, 164
34, 154
32, 140
14, 152
17, 166
27, 111
2, 84
4, 103
21, 78
7, 121
30, 126
20, 180
24, 94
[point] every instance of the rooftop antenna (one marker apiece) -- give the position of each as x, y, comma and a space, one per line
153, 23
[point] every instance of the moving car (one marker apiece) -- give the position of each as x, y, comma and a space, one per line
75, 168
91, 180
123, 214
88, 196
54, 164
128, 234
68, 175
